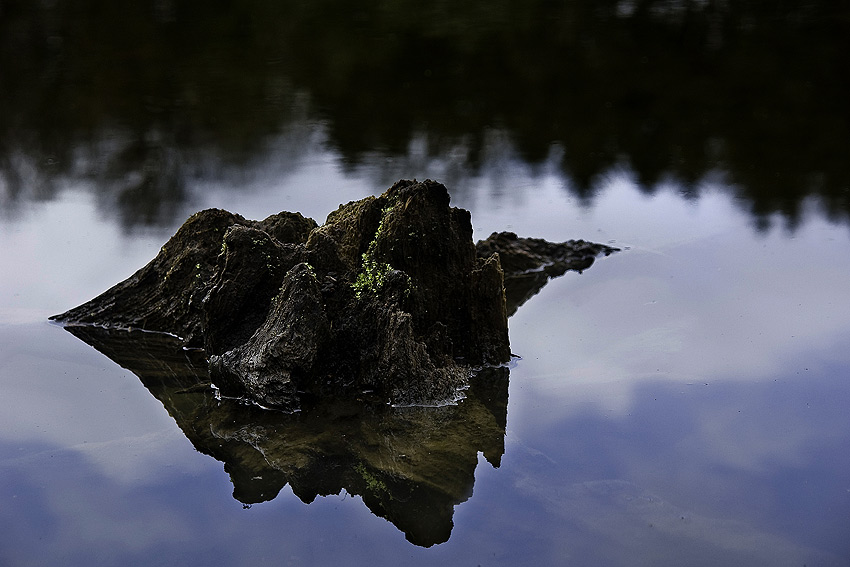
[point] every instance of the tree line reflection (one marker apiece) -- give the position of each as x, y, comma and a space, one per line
141, 98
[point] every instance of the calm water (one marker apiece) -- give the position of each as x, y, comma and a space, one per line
682, 402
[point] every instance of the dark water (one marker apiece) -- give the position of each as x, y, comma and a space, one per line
683, 402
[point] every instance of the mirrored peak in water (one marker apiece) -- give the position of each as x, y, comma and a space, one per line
410, 465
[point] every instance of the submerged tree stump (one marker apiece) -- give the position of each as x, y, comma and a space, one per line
389, 300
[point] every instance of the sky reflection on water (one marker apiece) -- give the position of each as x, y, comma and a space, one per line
682, 401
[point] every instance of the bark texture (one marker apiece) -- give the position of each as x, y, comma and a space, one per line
389, 300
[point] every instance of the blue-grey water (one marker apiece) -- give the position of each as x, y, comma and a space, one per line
682, 402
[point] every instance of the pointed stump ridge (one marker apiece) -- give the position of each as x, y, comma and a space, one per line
388, 301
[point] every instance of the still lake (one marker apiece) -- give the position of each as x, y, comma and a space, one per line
682, 402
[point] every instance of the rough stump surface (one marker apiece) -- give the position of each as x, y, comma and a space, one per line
389, 300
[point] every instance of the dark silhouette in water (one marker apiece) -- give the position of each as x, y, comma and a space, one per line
410, 465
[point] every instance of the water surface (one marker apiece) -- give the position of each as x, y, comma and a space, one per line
681, 402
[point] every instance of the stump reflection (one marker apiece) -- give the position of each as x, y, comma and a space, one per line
410, 465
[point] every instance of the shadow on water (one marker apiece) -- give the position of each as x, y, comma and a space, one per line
410, 465
142, 99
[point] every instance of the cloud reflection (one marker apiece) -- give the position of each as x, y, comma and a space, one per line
696, 299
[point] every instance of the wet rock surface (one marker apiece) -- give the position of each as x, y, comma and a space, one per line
388, 301
529, 263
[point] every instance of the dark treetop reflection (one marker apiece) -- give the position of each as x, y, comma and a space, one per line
143, 97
